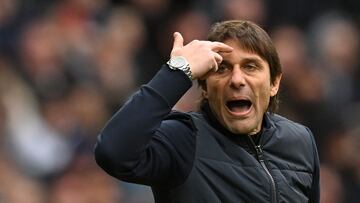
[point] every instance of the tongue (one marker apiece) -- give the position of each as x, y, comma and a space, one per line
239, 106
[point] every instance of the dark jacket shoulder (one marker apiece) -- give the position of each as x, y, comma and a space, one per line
288, 140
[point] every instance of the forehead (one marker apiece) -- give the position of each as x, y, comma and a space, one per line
241, 53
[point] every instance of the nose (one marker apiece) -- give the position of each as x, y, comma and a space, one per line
237, 78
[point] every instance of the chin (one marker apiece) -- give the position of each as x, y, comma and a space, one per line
242, 130
241, 127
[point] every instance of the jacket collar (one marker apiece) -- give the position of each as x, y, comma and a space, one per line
240, 139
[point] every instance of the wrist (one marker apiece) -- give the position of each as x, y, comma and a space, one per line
180, 63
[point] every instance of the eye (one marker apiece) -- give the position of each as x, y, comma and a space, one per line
223, 68
251, 66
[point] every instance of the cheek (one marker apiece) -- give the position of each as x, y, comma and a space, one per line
214, 93
264, 95
261, 89
213, 88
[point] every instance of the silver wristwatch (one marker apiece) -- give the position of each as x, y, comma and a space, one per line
180, 63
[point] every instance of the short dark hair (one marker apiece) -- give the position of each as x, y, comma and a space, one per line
251, 38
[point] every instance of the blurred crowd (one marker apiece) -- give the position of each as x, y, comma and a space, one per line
66, 66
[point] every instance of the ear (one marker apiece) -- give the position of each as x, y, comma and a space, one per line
204, 93
275, 85
202, 84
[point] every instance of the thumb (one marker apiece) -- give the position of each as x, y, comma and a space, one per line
178, 40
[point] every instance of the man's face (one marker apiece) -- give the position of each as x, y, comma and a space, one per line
239, 92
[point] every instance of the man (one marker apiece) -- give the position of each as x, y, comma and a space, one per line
235, 149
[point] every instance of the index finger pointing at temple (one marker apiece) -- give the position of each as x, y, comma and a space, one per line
220, 47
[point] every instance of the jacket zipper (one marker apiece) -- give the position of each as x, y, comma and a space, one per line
259, 154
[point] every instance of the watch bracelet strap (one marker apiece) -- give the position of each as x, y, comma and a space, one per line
188, 72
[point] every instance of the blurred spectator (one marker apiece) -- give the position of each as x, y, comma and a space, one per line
80, 23
8, 25
33, 144
151, 8
12, 180
298, 12
253, 10
40, 54
300, 80
302, 93
343, 150
335, 49
331, 186
15, 187
64, 65
119, 41
8, 10
84, 183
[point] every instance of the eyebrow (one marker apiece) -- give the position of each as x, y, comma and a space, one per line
245, 60
252, 60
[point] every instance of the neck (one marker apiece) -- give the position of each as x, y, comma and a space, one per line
205, 108
209, 115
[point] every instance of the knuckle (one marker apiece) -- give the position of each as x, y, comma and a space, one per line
195, 41
202, 44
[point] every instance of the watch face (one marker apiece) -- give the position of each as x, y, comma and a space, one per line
178, 62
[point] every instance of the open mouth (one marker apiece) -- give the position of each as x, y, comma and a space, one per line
239, 106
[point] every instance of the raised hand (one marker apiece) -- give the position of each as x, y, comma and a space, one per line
203, 56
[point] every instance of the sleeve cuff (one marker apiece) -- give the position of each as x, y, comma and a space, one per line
171, 84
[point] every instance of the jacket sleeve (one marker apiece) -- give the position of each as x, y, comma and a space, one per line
315, 188
137, 145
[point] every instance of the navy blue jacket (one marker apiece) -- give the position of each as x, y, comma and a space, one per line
190, 157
